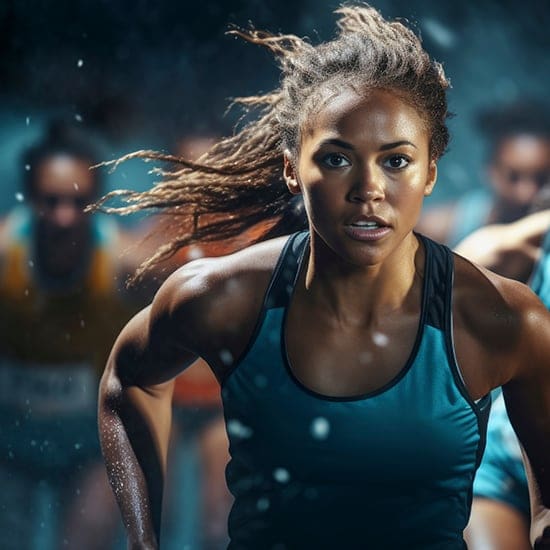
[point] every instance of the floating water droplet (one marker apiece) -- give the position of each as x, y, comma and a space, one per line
311, 493
320, 428
19, 197
78, 117
226, 357
281, 475
31, 263
237, 429
28, 120
380, 339
263, 504
261, 381
27, 167
79, 63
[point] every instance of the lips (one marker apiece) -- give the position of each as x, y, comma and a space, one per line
367, 228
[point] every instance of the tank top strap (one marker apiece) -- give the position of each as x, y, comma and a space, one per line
439, 274
286, 271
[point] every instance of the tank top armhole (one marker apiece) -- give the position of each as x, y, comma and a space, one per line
270, 300
482, 406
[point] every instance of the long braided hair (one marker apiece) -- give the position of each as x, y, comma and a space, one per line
238, 183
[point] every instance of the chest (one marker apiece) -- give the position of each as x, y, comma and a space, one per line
419, 429
339, 362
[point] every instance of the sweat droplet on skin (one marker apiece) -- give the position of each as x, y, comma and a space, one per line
75, 185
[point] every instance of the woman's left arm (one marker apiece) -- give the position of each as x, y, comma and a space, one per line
527, 397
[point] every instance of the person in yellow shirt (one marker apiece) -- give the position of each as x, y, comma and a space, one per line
62, 305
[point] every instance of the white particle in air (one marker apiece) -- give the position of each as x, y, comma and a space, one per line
281, 475
380, 339
237, 429
320, 428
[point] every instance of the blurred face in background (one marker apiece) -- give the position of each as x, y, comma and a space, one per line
63, 187
519, 170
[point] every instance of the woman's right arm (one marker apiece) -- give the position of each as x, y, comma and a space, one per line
135, 413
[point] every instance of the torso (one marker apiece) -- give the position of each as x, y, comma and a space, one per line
275, 403
484, 328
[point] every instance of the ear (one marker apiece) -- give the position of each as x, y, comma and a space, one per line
431, 179
290, 175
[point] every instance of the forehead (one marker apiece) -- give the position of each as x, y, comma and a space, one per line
64, 175
379, 116
525, 150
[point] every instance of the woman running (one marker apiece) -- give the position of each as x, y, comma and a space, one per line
355, 357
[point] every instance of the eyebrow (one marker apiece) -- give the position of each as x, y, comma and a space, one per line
395, 144
346, 145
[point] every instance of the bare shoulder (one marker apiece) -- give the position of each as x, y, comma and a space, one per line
218, 300
500, 317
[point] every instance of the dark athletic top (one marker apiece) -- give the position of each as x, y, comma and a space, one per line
391, 469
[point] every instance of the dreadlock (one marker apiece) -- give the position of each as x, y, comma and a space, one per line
239, 182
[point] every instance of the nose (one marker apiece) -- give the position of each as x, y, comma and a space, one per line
368, 186
526, 191
65, 214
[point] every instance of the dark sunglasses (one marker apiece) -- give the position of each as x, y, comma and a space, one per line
540, 177
52, 201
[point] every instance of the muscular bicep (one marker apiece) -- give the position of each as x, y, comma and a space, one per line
148, 351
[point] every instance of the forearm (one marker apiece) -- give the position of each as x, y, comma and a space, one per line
134, 443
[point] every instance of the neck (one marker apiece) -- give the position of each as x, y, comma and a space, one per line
355, 295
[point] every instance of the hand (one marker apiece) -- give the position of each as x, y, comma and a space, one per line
543, 542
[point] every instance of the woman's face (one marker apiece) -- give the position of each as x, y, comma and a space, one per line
520, 169
364, 169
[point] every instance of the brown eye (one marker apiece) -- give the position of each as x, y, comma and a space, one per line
335, 160
397, 162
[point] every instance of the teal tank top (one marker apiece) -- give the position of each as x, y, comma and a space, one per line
391, 469
540, 281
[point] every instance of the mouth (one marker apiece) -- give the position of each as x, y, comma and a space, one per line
367, 224
367, 228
